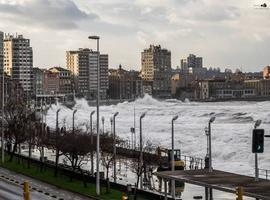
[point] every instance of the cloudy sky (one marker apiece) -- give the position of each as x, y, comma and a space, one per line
226, 33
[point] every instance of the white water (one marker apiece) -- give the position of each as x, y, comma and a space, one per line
231, 132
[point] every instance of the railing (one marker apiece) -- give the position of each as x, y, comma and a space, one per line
264, 174
192, 162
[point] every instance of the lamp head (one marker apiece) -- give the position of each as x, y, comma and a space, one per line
258, 123
92, 112
175, 118
143, 115
93, 37
212, 119
115, 114
74, 111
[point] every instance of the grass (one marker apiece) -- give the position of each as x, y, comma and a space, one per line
61, 181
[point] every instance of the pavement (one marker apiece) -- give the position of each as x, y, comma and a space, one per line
11, 188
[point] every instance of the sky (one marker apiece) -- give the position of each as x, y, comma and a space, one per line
226, 33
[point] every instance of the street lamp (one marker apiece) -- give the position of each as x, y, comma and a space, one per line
141, 153
73, 121
91, 132
94, 37
256, 125
114, 148
57, 113
172, 156
2, 124
212, 119
102, 119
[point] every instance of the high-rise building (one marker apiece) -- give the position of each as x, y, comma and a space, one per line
83, 65
192, 61
156, 70
18, 60
1, 51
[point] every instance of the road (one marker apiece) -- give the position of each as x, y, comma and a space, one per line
11, 188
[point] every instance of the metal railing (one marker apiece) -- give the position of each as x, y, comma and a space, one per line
264, 174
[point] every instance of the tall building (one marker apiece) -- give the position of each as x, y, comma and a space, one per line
1, 50
192, 61
18, 60
83, 65
156, 70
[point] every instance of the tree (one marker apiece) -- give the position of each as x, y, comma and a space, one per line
18, 117
75, 148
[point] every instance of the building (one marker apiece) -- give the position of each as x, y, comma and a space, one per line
192, 61
18, 60
1, 50
156, 70
83, 66
124, 84
217, 89
38, 81
65, 83
266, 72
261, 86
51, 83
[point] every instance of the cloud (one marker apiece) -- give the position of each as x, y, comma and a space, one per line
55, 14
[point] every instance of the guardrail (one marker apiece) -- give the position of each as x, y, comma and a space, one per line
264, 174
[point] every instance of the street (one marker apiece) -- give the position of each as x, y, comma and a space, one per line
11, 188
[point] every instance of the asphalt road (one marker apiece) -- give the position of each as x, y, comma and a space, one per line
11, 188
9, 191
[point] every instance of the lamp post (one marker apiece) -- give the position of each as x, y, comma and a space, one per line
57, 113
141, 153
256, 125
2, 124
91, 132
114, 148
73, 121
94, 37
102, 119
212, 119
172, 156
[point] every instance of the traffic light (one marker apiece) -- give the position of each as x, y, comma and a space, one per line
258, 141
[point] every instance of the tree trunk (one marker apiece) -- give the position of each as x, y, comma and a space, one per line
13, 152
108, 188
56, 163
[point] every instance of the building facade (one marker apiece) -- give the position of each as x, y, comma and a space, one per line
38, 81
156, 70
192, 61
124, 84
18, 61
65, 81
83, 65
51, 83
222, 89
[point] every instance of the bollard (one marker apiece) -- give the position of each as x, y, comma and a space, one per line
239, 193
124, 197
26, 193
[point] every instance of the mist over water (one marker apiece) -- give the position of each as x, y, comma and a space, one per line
231, 131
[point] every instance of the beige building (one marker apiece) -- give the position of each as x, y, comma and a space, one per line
51, 82
83, 66
156, 69
261, 86
18, 60
65, 84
